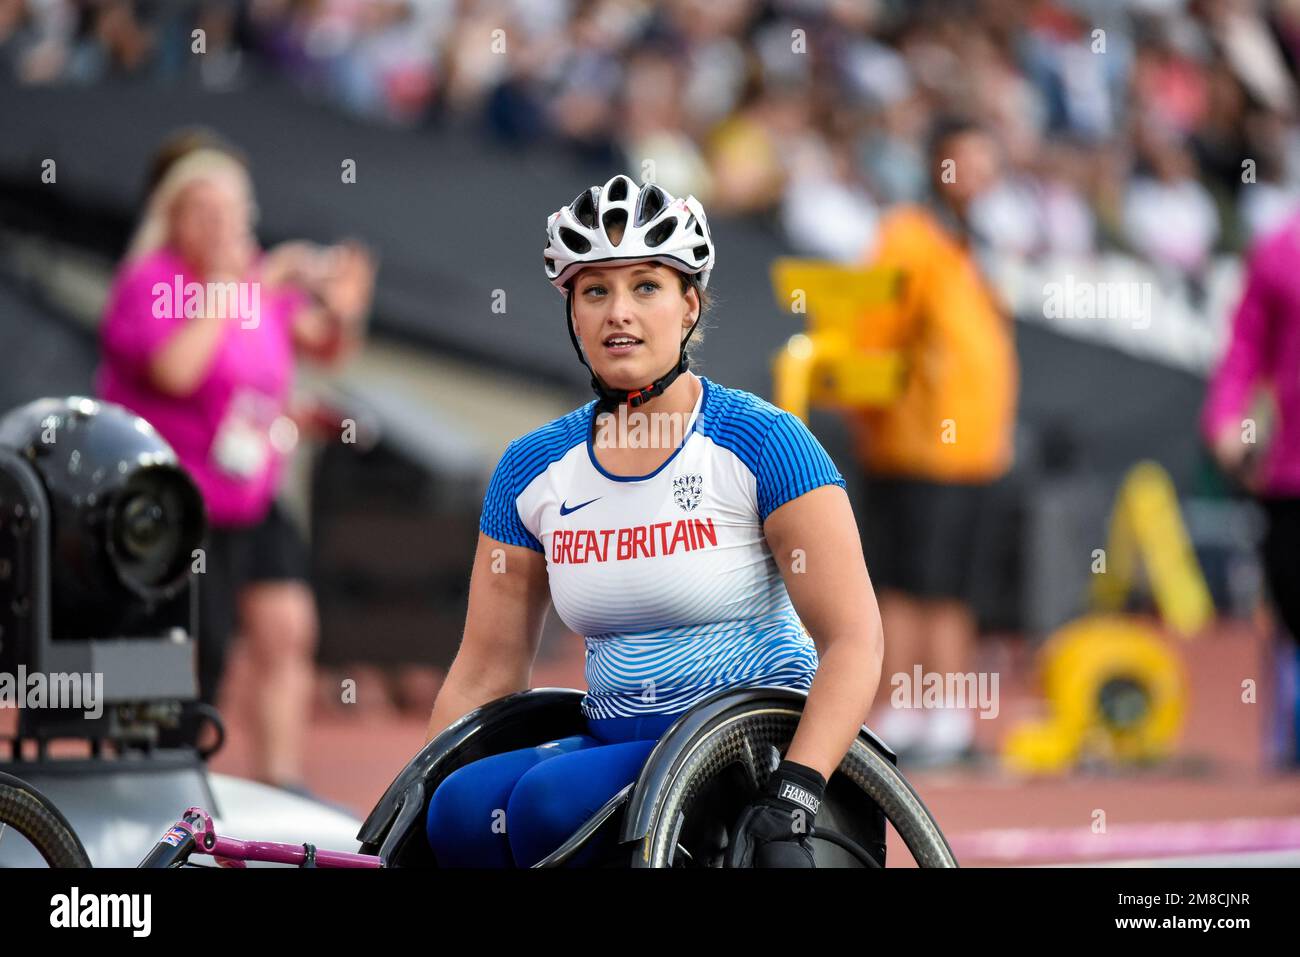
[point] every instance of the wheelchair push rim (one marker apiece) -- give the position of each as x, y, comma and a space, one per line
744, 743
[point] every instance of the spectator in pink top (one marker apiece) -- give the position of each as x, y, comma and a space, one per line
1264, 350
199, 337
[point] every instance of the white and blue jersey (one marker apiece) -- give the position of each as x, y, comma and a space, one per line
668, 575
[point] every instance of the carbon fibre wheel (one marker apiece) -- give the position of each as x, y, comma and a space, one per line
26, 811
729, 760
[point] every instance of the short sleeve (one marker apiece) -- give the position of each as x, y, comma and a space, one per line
136, 322
791, 462
500, 519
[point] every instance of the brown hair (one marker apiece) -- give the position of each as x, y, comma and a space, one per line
693, 282
180, 144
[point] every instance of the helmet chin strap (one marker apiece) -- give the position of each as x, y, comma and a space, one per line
611, 399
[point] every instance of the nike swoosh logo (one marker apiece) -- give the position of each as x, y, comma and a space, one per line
565, 510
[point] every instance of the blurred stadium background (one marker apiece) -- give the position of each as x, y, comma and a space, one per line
468, 122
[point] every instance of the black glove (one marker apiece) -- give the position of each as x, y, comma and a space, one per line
773, 830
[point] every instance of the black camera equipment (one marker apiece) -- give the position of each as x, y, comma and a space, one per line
100, 534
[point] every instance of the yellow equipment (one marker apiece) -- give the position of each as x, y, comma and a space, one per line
829, 363
1115, 687
1146, 528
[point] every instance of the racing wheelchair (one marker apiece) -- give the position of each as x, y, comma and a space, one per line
701, 773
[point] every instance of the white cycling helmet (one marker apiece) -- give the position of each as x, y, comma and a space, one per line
655, 228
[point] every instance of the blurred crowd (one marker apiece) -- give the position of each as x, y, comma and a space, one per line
1165, 128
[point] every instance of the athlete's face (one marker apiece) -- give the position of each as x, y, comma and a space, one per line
642, 302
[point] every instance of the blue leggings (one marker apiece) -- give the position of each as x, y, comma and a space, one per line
514, 808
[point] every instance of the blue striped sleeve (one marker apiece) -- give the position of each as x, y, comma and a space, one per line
500, 519
791, 462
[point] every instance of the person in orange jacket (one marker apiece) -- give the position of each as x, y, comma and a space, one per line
931, 456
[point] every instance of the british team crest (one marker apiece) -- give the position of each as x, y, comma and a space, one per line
687, 490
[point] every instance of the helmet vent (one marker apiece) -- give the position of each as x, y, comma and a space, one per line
617, 190
701, 252
656, 236
648, 204
615, 223
584, 209
577, 242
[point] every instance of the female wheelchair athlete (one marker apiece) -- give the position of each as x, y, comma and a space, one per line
701, 773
